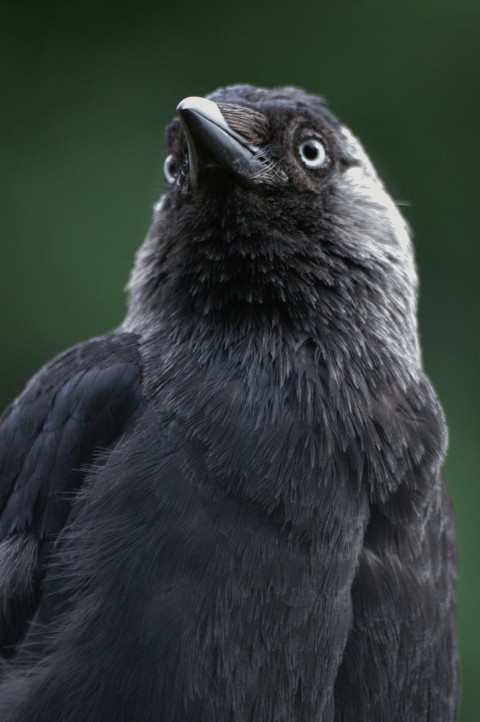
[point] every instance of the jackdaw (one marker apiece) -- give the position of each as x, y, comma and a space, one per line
231, 508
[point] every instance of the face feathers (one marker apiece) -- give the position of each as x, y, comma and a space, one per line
306, 247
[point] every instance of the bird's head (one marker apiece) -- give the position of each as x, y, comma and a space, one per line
274, 212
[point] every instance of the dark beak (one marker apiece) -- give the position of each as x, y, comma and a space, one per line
211, 141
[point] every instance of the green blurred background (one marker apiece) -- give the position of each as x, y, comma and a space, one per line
86, 89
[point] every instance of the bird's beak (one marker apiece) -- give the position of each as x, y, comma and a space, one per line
211, 141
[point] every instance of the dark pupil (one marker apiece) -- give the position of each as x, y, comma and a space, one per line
172, 167
310, 151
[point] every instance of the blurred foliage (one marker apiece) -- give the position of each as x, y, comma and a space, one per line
87, 88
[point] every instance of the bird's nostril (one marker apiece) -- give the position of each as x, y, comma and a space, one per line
212, 141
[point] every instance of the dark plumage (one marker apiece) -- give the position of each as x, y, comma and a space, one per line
231, 509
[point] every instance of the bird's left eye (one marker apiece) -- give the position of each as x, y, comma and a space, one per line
170, 168
312, 153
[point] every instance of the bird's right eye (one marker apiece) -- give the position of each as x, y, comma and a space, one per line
170, 169
313, 153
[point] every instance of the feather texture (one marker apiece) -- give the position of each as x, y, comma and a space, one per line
232, 507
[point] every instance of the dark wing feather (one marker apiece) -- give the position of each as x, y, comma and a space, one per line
400, 660
75, 407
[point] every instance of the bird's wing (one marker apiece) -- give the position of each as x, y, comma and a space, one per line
76, 407
400, 658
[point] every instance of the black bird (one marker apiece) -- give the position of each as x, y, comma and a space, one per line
231, 509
